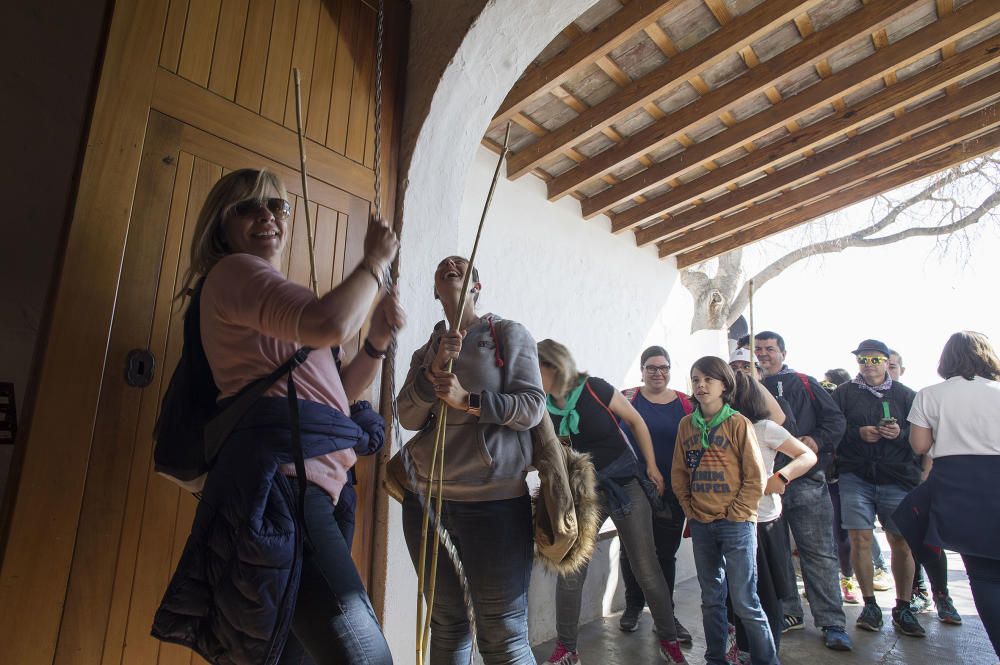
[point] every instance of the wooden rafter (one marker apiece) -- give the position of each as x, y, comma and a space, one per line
862, 170
752, 25
929, 165
910, 48
963, 65
919, 120
582, 53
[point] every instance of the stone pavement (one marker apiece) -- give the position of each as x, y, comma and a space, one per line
602, 643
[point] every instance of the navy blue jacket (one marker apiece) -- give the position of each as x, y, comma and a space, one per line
816, 415
233, 594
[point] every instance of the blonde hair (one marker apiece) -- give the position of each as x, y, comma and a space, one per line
558, 357
208, 244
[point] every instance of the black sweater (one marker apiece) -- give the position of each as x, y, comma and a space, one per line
887, 461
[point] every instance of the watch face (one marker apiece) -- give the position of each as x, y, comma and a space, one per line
474, 400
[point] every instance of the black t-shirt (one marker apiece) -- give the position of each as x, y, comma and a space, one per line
599, 432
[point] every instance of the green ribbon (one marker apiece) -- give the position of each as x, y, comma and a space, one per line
885, 411
705, 427
570, 423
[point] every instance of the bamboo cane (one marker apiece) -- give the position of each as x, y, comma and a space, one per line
305, 182
423, 626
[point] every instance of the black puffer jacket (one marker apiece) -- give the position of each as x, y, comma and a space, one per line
886, 461
232, 597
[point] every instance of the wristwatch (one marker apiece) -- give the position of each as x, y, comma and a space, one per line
782, 476
475, 404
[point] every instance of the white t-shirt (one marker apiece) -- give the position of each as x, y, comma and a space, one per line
770, 436
961, 414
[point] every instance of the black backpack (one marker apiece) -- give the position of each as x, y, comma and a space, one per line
192, 424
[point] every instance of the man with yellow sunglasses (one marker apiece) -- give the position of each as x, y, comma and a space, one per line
877, 469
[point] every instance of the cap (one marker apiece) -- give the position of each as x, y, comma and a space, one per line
872, 345
741, 355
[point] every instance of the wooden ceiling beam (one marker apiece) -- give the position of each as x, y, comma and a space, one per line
912, 47
582, 53
953, 156
728, 40
942, 75
915, 149
909, 123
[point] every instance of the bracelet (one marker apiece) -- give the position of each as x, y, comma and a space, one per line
373, 352
367, 265
783, 479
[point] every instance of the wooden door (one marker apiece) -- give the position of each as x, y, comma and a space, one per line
190, 89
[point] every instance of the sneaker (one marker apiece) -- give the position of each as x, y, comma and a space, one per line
921, 603
906, 622
881, 581
630, 619
946, 610
835, 637
563, 656
671, 652
870, 618
683, 635
792, 623
732, 650
847, 590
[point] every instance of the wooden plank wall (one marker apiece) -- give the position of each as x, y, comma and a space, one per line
189, 89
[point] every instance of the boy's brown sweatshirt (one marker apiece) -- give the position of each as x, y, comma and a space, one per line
728, 482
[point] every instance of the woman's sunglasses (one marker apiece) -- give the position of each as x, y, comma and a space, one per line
280, 208
872, 360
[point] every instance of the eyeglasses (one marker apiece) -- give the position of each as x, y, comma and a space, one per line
657, 369
280, 208
872, 360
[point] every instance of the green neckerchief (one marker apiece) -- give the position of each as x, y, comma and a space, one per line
570, 423
699, 421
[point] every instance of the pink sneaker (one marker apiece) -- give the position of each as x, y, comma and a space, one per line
670, 651
563, 656
847, 590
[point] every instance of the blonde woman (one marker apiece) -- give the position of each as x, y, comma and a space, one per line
585, 411
266, 575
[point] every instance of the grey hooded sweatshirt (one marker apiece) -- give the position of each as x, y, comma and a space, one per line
486, 458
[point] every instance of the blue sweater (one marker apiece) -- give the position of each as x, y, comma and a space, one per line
232, 596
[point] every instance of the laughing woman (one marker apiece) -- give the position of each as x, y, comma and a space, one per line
585, 412
265, 575
494, 397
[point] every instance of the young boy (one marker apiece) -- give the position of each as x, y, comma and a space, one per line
718, 478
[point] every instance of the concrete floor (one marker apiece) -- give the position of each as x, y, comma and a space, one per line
602, 643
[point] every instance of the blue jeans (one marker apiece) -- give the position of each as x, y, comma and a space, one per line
636, 537
725, 556
808, 511
334, 621
494, 540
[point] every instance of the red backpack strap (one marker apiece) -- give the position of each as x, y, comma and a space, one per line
808, 386
685, 403
598, 400
630, 394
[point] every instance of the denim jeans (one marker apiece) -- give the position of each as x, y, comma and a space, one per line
334, 621
636, 537
494, 540
725, 556
667, 535
808, 511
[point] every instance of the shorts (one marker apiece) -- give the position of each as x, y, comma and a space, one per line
861, 500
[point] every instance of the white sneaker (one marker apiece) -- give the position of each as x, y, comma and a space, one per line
881, 581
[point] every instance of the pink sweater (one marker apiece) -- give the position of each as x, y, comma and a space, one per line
250, 326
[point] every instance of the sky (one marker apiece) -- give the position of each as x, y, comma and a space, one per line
910, 295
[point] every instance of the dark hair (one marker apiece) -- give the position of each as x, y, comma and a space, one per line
718, 369
748, 398
770, 334
652, 352
837, 376
743, 341
969, 354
